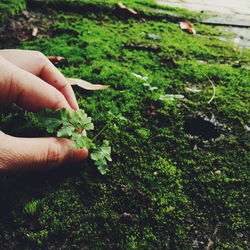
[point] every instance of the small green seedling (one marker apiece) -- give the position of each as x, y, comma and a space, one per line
73, 124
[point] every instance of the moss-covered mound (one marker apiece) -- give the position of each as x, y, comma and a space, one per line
178, 122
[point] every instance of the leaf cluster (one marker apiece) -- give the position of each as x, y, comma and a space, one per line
74, 124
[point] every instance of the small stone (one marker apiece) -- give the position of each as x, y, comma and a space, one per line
217, 172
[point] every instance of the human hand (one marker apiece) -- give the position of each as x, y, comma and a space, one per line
33, 81
30, 80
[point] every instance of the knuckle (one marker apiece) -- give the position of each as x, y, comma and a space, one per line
59, 101
2, 133
54, 155
39, 57
38, 54
7, 155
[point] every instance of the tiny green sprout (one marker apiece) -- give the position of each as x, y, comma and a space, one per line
71, 124
148, 85
31, 207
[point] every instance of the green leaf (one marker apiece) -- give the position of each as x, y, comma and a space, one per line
105, 150
64, 115
75, 116
48, 119
52, 125
65, 131
89, 126
81, 120
101, 155
65, 123
102, 166
95, 156
81, 141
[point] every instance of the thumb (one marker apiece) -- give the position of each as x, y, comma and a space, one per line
37, 153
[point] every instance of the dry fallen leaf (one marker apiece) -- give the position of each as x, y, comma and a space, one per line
56, 59
86, 85
122, 7
187, 26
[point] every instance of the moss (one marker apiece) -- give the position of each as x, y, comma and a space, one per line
165, 188
10, 8
146, 8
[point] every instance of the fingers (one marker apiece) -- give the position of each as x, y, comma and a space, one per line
38, 64
50, 74
18, 154
27, 90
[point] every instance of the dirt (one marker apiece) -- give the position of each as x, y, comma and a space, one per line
26, 26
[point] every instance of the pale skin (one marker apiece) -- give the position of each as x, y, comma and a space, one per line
30, 80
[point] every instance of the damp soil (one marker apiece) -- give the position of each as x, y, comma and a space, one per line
23, 27
197, 126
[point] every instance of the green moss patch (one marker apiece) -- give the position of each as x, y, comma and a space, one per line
170, 186
10, 8
145, 8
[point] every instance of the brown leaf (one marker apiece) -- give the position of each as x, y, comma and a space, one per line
123, 8
56, 59
86, 85
187, 26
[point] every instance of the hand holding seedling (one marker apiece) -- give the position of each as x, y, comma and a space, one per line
30, 80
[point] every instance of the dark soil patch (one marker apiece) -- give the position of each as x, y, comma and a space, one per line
22, 27
197, 126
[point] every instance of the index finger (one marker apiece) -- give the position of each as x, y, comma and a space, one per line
50, 74
28, 90
38, 64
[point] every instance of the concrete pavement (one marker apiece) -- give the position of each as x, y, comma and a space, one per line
235, 14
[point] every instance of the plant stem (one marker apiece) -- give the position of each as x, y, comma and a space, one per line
100, 132
214, 89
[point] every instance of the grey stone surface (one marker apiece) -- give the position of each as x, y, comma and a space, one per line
228, 12
231, 11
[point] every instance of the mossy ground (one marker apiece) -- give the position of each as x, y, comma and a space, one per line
165, 189
10, 8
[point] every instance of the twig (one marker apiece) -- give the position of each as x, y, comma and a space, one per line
214, 90
210, 242
100, 132
226, 24
209, 245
